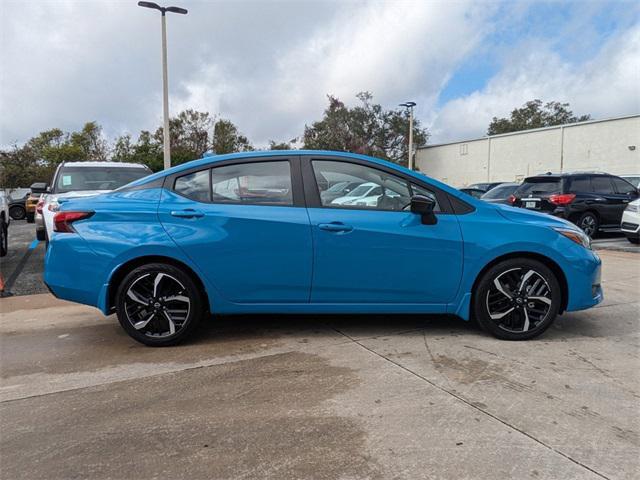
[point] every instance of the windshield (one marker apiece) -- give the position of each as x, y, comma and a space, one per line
539, 185
360, 191
78, 179
635, 181
501, 191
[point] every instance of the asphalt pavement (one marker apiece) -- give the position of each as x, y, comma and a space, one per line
321, 397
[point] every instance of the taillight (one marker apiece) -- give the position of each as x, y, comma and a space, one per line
512, 199
562, 199
62, 221
39, 206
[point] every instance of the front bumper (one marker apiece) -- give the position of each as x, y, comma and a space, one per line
584, 283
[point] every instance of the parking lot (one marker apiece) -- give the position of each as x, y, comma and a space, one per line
289, 397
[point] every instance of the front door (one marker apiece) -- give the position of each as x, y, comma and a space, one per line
371, 249
245, 227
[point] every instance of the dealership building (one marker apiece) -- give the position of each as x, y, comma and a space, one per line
611, 145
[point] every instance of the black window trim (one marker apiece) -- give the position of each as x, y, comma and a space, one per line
312, 192
294, 167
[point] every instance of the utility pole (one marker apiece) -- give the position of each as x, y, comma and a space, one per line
409, 106
165, 75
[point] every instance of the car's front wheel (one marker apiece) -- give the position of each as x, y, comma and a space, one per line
589, 224
17, 212
159, 304
517, 299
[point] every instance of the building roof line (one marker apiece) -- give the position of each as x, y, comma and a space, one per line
520, 132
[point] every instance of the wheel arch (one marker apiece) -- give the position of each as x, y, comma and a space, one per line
122, 271
548, 262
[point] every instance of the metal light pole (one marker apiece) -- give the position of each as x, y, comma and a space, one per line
409, 106
165, 75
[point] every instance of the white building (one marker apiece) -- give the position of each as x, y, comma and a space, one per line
611, 145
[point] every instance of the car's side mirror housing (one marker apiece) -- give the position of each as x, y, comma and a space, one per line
39, 187
423, 206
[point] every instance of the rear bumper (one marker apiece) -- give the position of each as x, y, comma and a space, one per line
72, 270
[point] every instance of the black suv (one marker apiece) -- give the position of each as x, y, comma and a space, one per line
593, 201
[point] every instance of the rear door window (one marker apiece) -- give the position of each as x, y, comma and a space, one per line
194, 186
253, 183
580, 184
539, 186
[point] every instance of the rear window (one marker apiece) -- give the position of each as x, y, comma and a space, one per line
78, 179
539, 186
501, 191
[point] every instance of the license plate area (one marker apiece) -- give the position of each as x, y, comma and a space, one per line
531, 203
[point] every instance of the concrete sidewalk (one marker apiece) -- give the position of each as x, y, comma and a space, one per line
329, 397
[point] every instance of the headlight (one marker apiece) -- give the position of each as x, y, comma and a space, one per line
633, 208
577, 236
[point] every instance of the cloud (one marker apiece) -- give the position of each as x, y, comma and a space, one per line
606, 85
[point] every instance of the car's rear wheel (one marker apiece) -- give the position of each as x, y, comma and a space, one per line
589, 223
159, 304
517, 299
17, 212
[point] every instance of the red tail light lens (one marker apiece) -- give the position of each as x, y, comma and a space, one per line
511, 199
562, 199
62, 221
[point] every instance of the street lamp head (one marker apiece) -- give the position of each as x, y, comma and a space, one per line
182, 11
408, 104
150, 5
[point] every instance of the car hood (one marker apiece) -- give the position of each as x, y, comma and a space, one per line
520, 215
60, 197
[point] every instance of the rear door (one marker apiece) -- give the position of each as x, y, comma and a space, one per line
245, 225
376, 251
607, 202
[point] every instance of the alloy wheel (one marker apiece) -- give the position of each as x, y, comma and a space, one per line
157, 305
588, 225
519, 300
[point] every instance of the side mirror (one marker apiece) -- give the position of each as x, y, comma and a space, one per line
423, 206
39, 187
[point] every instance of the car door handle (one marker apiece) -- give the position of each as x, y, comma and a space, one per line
337, 227
187, 213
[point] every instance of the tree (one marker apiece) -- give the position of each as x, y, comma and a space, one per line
534, 114
91, 141
367, 128
279, 146
227, 138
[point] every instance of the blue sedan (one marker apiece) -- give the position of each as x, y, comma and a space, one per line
253, 233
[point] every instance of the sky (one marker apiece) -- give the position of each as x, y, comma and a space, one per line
269, 65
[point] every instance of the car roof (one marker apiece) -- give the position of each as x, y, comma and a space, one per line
105, 164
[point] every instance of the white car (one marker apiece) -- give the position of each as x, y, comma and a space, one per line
82, 179
368, 189
4, 223
630, 225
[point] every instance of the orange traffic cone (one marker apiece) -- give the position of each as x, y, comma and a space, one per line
2, 285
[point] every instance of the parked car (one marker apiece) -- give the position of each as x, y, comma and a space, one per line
37, 189
163, 252
500, 193
5, 219
368, 189
41, 231
593, 201
17, 201
630, 225
474, 192
85, 179
632, 179
339, 189
484, 186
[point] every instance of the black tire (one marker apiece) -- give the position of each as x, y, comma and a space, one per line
589, 223
4, 238
525, 320
151, 330
31, 217
634, 240
17, 212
